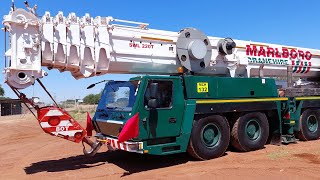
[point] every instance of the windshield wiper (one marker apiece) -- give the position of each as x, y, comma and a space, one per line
111, 107
111, 87
94, 84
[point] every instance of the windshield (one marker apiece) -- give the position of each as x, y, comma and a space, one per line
121, 95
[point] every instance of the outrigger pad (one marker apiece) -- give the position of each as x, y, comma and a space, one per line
57, 122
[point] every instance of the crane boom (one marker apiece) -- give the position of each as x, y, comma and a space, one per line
89, 47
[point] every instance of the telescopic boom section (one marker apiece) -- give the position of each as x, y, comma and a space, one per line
89, 47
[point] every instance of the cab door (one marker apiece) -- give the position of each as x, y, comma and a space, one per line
165, 119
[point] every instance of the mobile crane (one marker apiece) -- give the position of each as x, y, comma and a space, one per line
200, 95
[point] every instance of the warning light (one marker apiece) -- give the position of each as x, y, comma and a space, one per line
287, 116
180, 70
54, 121
78, 135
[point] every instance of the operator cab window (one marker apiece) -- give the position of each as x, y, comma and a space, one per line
164, 95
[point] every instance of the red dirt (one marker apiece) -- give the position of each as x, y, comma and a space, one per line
28, 153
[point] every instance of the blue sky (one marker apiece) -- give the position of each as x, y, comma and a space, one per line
289, 22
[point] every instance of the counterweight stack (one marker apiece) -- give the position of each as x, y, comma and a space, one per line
89, 47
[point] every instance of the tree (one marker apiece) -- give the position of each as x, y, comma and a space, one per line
91, 99
1, 91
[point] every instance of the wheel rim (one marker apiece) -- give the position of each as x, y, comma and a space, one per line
210, 135
253, 129
312, 123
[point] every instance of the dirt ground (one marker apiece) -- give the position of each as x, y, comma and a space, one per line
28, 153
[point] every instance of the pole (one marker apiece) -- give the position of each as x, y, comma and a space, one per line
289, 76
5, 47
12, 5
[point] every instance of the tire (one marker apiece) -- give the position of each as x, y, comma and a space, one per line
309, 125
250, 132
209, 138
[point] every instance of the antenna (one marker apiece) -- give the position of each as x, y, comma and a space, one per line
27, 4
12, 5
31, 9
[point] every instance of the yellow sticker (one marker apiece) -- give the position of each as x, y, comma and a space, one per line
202, 87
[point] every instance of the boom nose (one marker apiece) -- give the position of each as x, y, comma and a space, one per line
18, 79
24, 52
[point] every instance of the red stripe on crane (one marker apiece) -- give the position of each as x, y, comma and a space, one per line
119, 147
300, 67
113, 144
308, 68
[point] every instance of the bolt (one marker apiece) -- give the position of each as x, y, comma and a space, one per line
183, 58
187, 34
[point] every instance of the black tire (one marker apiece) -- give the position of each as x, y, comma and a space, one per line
199, 147
305, 133
243, 138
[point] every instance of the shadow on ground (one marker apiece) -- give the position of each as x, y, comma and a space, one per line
130, 162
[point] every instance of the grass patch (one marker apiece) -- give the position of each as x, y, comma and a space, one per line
81, 114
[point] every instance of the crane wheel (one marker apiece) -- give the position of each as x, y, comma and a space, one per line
209, 138
250, 132
309, 125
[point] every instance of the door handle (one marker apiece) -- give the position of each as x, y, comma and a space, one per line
172, 120
144, 121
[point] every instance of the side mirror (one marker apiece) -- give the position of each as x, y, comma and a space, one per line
91, 86
153, 103
153, 90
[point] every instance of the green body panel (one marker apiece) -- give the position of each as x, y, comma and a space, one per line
296, 115
187, 123
226, 87
288, 107
279, 119
294, 108
156, 122
182, 140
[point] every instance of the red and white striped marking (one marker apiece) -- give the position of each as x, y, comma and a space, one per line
125, 146
62, 123
65, 126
